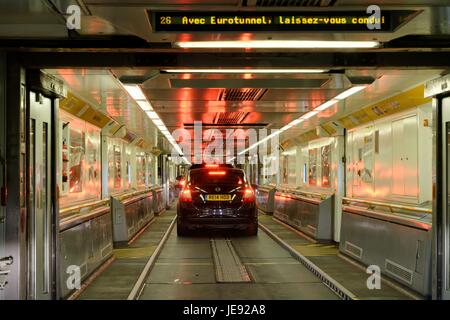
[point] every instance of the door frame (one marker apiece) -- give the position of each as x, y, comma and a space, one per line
39, 84
441, 230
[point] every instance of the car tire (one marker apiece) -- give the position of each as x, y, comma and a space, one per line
252, 229
181, 230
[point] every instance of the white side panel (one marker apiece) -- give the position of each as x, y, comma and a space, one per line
363, 162
383, 160
410, 157
398, 184
402, 158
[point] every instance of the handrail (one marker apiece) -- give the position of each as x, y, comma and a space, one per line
78, 208
322, 196
391, 206
132, 194
71, 220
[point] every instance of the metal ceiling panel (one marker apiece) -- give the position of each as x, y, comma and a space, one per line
247, 83
224, 106
300, 94
183, 94
188, 94
392, 83
30, 19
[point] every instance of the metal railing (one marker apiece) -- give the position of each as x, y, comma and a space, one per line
306, 194
78, 208
132, 194
371, 205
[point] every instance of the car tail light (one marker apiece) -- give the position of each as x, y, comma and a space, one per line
249, 195
211, 165
186, 195
216, 173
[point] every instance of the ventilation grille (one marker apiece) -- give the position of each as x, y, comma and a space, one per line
353, 250
230, 117
241, 94
399, 271
289, 3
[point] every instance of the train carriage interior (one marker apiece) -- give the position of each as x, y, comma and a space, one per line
326, 120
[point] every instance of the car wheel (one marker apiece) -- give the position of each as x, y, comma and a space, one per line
252, 229
181, 230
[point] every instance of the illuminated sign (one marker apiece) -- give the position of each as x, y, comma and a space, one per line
206, 21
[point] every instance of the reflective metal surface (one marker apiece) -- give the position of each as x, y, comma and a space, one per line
85, 246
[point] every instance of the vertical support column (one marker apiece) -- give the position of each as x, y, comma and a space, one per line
105, 164
155, 170
298, 166
133, 164
2, 156
439, 89
165, 179
437, 178
16, 214
155, 159
148, 172
56, 185
339, 185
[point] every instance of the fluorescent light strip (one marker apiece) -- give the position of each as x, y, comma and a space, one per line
326, 105
349, 92
288, 44
246, 71
145, 105
310, 114
136, 93
260, 141
152, 115
159, 123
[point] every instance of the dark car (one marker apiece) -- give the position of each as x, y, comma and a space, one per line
216, 197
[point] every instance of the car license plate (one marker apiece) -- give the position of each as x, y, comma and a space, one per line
218, 197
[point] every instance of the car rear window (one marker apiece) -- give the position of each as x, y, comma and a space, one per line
216, 176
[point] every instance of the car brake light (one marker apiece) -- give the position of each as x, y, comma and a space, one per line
216, 173
249, 195
186, 195
211, 165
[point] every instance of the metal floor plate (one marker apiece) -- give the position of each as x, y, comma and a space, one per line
229, 267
